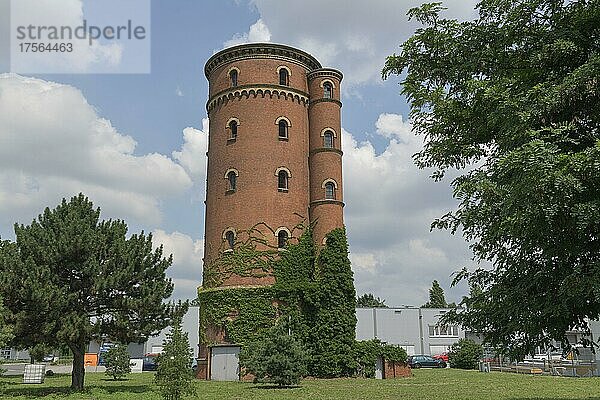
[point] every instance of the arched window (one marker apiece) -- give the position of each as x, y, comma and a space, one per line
330, 191
284, 77
233, 77
328, 139
327, 90
282, 238
283, 129
230, 238
232, 180
233, 127
282, 180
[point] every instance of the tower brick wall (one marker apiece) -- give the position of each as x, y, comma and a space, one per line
245, 89
256, 101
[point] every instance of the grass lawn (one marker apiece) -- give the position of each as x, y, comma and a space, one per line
426, 384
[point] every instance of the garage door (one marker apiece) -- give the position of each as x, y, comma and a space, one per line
225, 363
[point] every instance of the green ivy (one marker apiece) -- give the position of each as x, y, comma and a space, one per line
244, 313
313, 297
334, 323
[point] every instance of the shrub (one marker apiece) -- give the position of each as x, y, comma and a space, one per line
174, 373
465, 354
278, 358
38, 352
116, 361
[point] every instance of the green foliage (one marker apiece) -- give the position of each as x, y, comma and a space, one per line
71, 278
245, 261
334, 322
368, 300
366, 353
318, 308
244, 313
6, 330
437, 299
465, 354
39, 351
117, 362
277, 358
514, 95
174, 374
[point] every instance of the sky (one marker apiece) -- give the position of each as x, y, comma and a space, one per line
135, 143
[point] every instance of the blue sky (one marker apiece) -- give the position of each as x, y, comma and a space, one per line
394, 255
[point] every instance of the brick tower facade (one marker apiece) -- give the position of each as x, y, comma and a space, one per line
274, 153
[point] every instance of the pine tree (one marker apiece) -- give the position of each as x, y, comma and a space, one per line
117, 362
369, 300
278, 358
174, 374
71, 278
436, 297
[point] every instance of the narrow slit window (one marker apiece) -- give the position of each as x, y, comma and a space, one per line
233, 127
327, 90
282, 180
283, 129
230, 237
282, 239
232, 180
284, 77
330, 191
233, 77
328, 139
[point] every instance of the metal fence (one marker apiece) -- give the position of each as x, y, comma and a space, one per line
573, 368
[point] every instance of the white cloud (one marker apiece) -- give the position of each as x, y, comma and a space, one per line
364, 262
394, 126
390, 204
258, 33
353, 36
179, 92
193, 152
53, 144
186, 270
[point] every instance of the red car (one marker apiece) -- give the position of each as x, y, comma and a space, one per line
443, 357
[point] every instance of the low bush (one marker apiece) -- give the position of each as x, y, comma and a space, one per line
465, 354
278, 359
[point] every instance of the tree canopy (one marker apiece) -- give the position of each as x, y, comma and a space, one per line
70, 278
370, 301
437, 299
511, 101
6, 331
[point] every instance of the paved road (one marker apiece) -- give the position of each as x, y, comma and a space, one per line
13, 369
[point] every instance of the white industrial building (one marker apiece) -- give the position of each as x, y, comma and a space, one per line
415, 329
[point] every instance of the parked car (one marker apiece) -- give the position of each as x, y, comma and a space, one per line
149, 362
423, 360
541, 357
48, 358
443, 357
